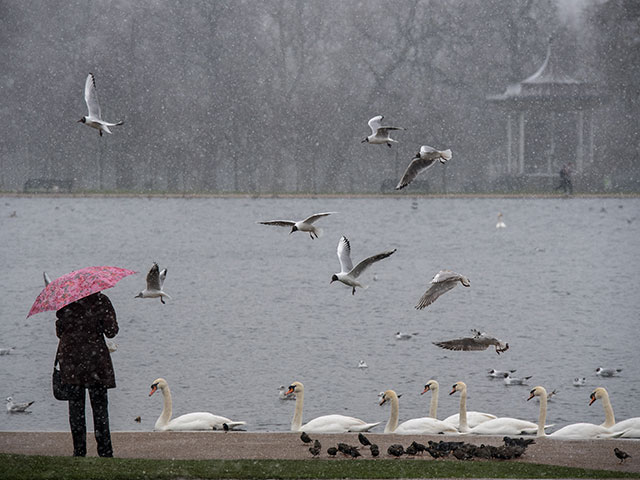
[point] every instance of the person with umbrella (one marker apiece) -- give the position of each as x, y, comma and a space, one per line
84, 317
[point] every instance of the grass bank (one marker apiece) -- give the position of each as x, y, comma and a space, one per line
25, 467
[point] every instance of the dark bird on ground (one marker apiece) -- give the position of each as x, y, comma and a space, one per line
137, 419
305, 438
315, 449
354, 452
395, 450
519, 442
442, 282
622, 455
375, 451
332, 451
411, 450
363, 440
462, 454
225, 427
419, 447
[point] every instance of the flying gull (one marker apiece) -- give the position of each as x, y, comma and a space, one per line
155, 281
441, 283
424, 159
380, 133
348, 273
480, 341
94, 119
305, 225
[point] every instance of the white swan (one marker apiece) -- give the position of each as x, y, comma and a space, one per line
575, 430
325, 423
189, 421
629, 428
466, 420
433, 387
415, 426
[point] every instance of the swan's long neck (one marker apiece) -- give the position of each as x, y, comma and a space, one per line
433, 408
392, 424
296, 423
542, 417
609, 418
167, 407
463, 426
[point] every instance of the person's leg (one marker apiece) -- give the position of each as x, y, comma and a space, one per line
78, 423
100, 407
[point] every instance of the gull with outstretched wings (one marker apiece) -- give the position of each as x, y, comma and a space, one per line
306, 225
480, 341
380, 133
348, 273
94, 118
424, 159
155, 282
441, 283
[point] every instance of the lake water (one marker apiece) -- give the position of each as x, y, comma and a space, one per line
252, 307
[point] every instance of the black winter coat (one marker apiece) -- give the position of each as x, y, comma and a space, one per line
82, 352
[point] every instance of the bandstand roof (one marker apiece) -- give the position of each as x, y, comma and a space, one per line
548, 87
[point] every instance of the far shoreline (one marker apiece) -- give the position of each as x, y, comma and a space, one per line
308, 195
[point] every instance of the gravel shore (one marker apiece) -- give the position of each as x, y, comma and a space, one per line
592, 454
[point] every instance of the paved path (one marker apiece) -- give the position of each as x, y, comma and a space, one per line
593, 454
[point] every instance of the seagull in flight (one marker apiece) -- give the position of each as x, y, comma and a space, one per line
480, 341
380, 133
424, 159
155, 281
305, 225
94, 119
441, 283
348, 273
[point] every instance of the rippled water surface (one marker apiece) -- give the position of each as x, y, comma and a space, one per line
253, 309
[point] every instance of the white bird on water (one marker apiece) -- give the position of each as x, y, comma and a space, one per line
404, 335
380, 133
362, 364
500, 223
509, 380
442, 282
6, 351
499, 373
13, 407
424, 159
155, 281
348, 273
305, 225
579, 382
94, 119
607, 372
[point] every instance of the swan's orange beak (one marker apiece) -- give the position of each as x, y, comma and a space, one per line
426, 389
530, 396
593, 399
290, 391
453, 391
153, 389
382, 402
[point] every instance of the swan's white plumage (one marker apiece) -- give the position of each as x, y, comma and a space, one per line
325, 423
466, 420
415, 426
189, 421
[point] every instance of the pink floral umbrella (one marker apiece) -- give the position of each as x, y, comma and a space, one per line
76, 285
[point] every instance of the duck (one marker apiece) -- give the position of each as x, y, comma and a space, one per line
464, 420
325, 423
189, 421
415, 426
575, 430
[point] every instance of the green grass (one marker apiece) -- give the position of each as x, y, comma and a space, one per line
17, 467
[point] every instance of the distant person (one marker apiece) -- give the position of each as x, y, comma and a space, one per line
565, 179
85, 363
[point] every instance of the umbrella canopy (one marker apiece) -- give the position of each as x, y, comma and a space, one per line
76, 285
